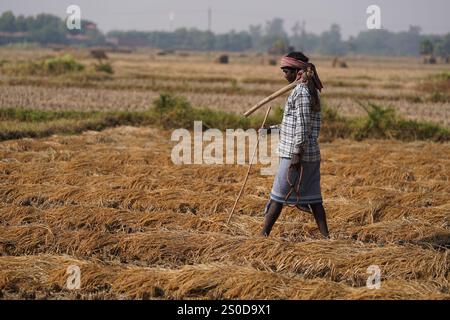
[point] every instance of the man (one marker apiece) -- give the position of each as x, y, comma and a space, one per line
298, 178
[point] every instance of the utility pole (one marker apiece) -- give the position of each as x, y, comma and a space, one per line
209, 31
209, 19
171, 18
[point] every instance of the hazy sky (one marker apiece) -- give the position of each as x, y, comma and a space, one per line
396, 15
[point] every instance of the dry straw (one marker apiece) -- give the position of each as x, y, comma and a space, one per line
140, 227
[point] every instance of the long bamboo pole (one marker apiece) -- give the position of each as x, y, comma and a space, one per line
272, 97
249, 165
249, 112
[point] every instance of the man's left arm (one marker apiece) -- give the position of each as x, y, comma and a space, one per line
303, 126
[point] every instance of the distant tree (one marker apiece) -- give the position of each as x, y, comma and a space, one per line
46, 20
351, 45
407, 43
426, 47
415, 30
256, 36
275, 28
331, 42
298, 29
384, 42
21, 23
442, 47
298, 32
48, 34
7, 22
234, 41
275, 38
272, 37
29, 21
302, 40
47, 28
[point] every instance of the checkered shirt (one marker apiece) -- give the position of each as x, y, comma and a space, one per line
300, 127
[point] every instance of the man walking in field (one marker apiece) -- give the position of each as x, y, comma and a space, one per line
297, 182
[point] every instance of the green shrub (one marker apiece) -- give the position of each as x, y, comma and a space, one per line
104, 67
413, 130
50, 66
378, 123
168, 101
61, 64
329, 114
32, 115
173, 110
383, 122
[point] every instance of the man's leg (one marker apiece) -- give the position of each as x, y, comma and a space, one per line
272, 214
321, 218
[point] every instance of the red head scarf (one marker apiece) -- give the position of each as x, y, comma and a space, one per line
288, 62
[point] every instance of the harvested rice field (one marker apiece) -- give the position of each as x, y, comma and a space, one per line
414, 90
137, 226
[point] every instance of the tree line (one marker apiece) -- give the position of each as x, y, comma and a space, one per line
270, 37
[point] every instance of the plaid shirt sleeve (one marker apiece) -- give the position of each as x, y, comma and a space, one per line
303, 121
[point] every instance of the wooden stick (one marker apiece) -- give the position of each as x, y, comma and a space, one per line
272, 97
249, 166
